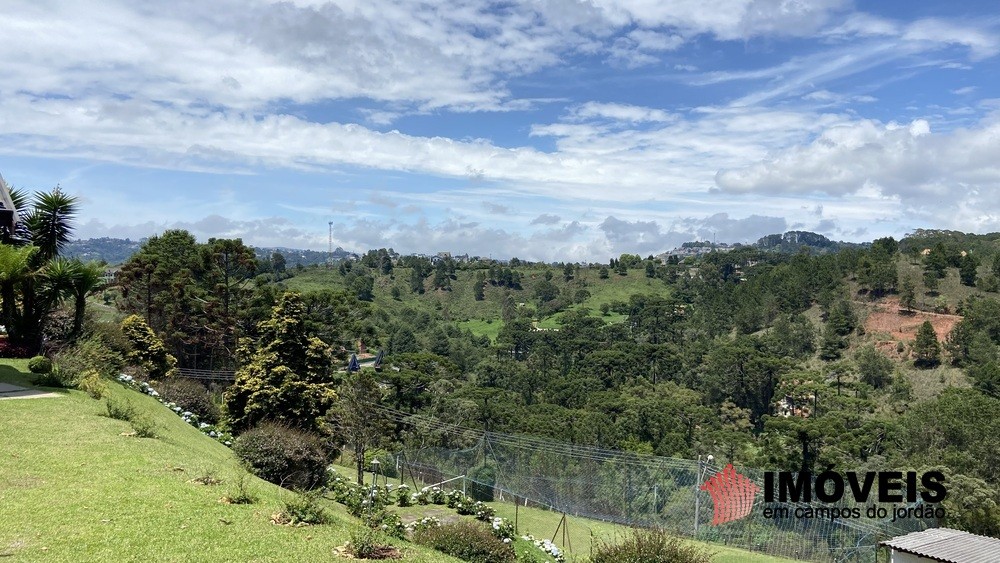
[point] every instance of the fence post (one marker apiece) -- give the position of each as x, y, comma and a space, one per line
515, 516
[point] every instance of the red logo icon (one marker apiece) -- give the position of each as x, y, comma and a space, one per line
732, 495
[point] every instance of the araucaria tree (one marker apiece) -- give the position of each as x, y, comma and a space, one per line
288, 378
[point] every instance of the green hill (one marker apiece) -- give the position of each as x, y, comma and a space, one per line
75, 487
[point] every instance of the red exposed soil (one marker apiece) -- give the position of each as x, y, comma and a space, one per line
887, 317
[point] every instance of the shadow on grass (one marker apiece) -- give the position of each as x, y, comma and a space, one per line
14, 376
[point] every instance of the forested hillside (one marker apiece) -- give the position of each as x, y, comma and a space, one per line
876, 357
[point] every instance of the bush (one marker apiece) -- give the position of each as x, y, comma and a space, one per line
144, 425
650, 546
40, 364
92, 383
368, 544
242, 494
120, 409
88, 354
469, 541
304, 508
483, 479
147, 350
190, 396
283, 455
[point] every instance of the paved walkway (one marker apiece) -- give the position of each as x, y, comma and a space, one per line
8, 391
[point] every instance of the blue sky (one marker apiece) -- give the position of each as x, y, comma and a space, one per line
548, 129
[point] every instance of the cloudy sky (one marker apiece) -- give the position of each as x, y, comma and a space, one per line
546, 129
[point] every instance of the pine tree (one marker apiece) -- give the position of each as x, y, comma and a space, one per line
288, 378
907, 294
967, 270
926, 347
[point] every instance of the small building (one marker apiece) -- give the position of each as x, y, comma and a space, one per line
943, 544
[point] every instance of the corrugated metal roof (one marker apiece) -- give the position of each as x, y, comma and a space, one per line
951, 546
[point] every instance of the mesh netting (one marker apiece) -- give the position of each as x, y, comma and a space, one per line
639, 490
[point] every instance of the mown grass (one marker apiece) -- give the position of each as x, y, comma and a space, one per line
75, 487
488, 328
582, 534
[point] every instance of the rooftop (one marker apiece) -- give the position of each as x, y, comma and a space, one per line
945, 544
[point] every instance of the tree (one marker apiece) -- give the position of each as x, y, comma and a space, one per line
926, 347
479, 288
874, 368
278, 263
355, 419
931, 281
29, 290
84, 279
192, 295
967, 266
907, 294
145, 349
288, 378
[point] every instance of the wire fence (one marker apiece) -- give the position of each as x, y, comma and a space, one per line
645, 491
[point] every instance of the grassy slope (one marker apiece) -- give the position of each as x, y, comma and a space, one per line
583, 533
460, 305
73, 488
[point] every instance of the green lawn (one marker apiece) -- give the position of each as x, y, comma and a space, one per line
75, 487
479, 327
582, 534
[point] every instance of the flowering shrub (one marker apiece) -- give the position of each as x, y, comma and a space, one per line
550, 549
438, 496
403, 496
207, 429
423, 523
386, 521
483, 511
503, 529
469, 541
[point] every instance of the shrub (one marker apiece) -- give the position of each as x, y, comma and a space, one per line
304, 508
92, 383
368, 544
469, 541
143, 425
650, 546
120, 409
190, 396
283, 455
242, 494
147, 350
483, 479
55, 378
364, 543
88, 354
40, 364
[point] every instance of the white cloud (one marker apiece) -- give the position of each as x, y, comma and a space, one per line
945, 177
982, 43
620, 112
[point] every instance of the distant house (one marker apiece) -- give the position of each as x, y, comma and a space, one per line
943, 544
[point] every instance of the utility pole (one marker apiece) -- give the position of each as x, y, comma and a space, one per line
329, 251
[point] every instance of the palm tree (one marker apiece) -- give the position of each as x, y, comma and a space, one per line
50, 222
86, 279
29, 289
